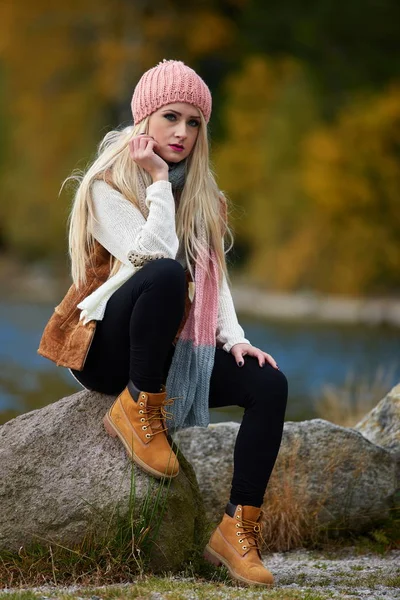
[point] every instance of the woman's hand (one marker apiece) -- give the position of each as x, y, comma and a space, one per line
142, 149
241, 350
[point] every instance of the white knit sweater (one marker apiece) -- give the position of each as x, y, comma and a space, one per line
121, 228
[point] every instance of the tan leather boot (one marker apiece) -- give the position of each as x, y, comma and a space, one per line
236, 544
138, 419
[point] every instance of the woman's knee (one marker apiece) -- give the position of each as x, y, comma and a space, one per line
273, 384
281, 382
166, 271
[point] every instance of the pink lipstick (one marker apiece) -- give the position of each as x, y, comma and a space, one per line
176, 147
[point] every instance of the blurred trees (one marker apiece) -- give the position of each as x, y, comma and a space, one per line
316, 204
305, 124
351, 173
346, 46
68, 77
270, 108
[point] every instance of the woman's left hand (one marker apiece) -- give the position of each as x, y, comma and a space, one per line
239, 351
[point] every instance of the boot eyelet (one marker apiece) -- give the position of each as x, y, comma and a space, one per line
143, 396
141, 411
239, 508
237, 524
238, 517
241, 541
244, 547
142, 419
141, 403
148, 435
144, 427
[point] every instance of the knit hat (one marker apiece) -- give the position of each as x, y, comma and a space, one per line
169, 81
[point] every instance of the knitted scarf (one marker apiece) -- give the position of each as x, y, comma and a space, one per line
189, 375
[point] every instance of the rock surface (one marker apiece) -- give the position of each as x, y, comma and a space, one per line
382, 425
61, 474
323, 468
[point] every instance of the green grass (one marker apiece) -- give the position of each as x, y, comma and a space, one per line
120, 555
174, 590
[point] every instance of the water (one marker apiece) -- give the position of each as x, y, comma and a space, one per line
310, 355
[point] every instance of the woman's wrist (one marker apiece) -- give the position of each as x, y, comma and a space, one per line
159, 176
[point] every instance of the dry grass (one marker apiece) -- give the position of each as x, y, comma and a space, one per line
348, 403
294, 515
290, 518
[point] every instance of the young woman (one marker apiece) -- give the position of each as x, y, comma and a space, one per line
149, 316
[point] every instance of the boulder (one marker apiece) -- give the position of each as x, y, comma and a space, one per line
62, 475
323, 469
382, 425
211, 455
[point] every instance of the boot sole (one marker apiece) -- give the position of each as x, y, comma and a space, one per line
216, 559
114, 432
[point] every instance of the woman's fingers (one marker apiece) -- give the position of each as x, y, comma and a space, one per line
144, 141
271, 360
142, 147
262, 357
239, 351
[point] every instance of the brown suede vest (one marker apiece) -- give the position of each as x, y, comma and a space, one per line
65, 340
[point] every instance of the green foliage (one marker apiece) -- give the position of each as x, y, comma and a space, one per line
380, 540
387, 536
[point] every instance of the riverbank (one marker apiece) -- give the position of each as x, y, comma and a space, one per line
41, 284
300, 306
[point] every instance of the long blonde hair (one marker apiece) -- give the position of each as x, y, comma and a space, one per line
200, 200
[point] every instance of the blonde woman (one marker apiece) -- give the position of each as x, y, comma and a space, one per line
149, 316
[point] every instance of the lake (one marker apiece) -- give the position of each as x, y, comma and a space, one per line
311, 355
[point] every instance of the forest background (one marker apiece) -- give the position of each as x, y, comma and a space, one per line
305, 128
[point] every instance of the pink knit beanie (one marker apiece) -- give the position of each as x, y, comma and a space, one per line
169, 81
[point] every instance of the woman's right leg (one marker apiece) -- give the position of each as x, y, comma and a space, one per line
128, 358
134, 339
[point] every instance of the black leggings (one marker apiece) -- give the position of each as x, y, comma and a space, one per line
134, 341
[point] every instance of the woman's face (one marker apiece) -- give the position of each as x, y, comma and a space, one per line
175, 128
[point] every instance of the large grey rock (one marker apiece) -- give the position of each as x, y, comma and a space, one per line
62, 475
336, 473
211, 455
382, 425
331, 471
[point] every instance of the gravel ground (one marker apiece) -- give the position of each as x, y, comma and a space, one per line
344, 574
298, 574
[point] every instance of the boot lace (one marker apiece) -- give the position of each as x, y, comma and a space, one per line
251, 531
154, 413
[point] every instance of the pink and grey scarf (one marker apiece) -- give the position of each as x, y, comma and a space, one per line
189, 375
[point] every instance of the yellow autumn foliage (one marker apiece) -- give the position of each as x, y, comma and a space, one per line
351, 173
67, 75
315, 205
270, 107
